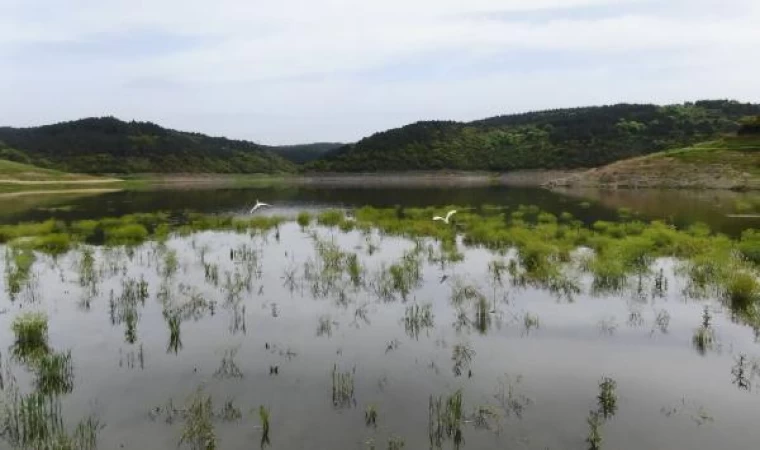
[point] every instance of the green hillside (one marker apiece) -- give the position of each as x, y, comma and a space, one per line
731, 162
562, 138
109, 145
303, 153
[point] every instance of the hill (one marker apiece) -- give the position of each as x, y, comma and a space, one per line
555, 139
727, 163
109, 145
303, 153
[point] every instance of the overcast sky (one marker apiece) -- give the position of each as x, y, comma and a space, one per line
290, 71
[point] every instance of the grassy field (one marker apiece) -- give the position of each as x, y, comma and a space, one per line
18, 173
732, 162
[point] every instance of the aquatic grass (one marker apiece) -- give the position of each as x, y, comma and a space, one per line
461, 356
228, 368
18, 269
54, 373
331, 218
198, 430
173, 321
396, 443
31, 335
418, 318
445, 419
607, 398
354, 269
742, 290
343, 388
594, 438
54, 244
303, 219
128, 234
32, 420
370, 415
264, 414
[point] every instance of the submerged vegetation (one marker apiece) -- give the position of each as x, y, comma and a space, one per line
520, 252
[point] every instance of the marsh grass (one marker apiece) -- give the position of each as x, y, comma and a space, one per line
445, 420
607, 398
303, 219
370, 415
18, 267
31, 336
228, 368
461, 356
418, 318
198, 430
396, 443
54, 373
264, 414
174, 322
594, 438
343, 388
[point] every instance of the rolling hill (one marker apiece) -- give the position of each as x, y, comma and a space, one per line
554, 139
109, 145
732, 162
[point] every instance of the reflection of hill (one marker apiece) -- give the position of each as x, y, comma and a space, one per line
683, 206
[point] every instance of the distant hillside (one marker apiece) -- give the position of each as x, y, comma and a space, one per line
562, 138
726, 163
303, 153
109, 145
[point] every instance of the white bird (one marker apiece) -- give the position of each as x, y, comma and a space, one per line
258, 205
448, 216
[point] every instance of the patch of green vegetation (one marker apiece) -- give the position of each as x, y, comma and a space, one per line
303, 219
31, 335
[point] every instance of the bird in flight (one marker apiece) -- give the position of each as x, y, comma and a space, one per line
258, 205
448, 216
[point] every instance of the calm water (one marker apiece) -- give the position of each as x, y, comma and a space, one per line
679, 207
530, 358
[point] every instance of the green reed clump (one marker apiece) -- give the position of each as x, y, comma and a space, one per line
198, 430
749, 245
33, 420
742, 290
331, 218
445, 419
607, 397
354, 269
173, 321
18, 268
31, 332
129, 234
418, 318
88, 275
211, 272
343, 387
396, 443
264, 418
54, 373
594, 438
303, 219
171, 263
370, 415
461, 356
53, 244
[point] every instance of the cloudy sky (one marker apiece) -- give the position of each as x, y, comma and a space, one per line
289, 71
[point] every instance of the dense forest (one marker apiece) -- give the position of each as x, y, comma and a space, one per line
562, 138
109, 145
303, 153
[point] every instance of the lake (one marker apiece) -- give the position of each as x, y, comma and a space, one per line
342, 337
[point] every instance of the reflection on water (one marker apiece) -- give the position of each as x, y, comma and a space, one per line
331, 339
680, 207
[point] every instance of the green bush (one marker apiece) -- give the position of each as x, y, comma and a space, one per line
130, 234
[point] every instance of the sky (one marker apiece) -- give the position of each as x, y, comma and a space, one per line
294, 71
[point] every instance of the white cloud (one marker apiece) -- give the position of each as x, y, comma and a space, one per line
300, 70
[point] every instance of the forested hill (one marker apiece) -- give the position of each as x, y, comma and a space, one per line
109, 145
562, 138
303, 153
